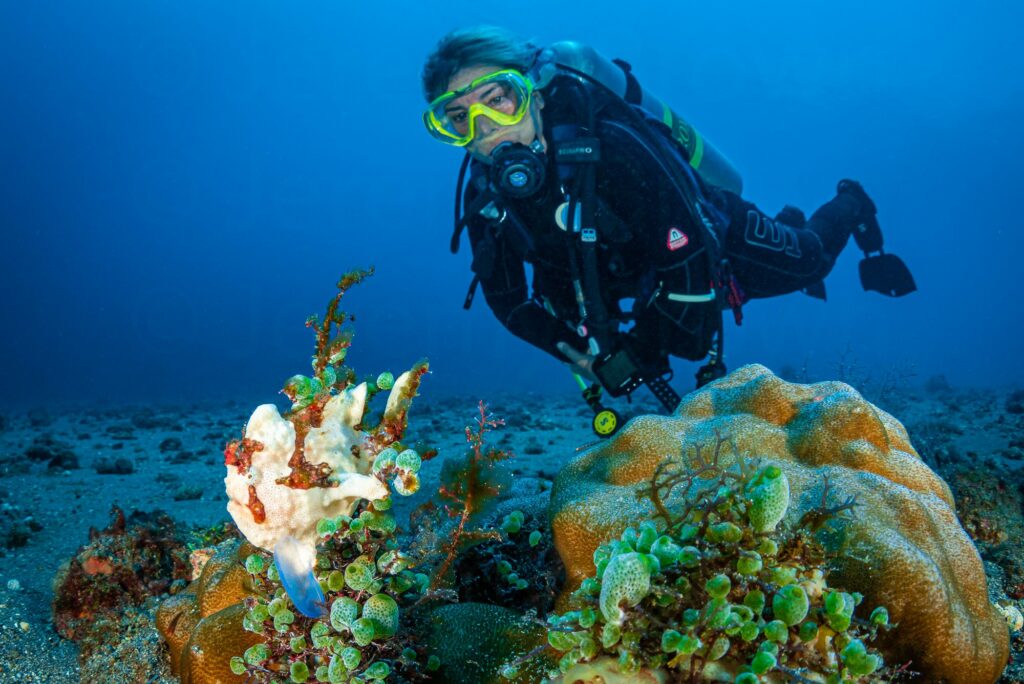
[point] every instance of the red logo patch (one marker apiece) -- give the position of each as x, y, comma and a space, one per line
676, 239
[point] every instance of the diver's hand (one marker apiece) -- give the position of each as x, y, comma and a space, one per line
583, 364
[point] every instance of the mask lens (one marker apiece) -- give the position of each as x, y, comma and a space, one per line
497, 96
502, 97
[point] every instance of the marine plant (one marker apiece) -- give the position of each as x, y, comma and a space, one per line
310, 396
469, 486
713, 585
210, 536
287, 472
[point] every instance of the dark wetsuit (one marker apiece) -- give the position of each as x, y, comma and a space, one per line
649, 249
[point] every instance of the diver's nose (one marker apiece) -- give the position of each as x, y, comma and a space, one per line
484, 126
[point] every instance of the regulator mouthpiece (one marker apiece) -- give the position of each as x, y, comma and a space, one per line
516, 170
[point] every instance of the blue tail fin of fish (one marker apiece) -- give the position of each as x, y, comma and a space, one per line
295, 568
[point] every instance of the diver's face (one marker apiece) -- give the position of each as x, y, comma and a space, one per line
490, 134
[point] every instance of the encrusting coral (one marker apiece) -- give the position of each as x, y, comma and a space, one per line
202, 625
902, 548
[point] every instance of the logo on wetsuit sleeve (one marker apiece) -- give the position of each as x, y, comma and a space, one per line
763, 232
676, 239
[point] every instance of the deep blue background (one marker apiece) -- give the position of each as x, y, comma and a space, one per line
182, 183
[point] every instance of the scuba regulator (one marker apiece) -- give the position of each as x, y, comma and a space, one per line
517, 170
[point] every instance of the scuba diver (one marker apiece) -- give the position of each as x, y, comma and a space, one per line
633, 223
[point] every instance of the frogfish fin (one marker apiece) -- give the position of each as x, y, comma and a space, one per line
294, 561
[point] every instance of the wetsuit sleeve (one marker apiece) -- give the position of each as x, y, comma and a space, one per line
503, 281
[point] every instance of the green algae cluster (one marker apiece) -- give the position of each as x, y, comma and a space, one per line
718, 589
366, 580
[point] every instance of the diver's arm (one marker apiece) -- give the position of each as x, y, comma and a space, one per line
503, 280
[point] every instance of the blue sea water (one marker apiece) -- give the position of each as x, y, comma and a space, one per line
182, 184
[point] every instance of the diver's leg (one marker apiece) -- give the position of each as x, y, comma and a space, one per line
850, 212
771, 257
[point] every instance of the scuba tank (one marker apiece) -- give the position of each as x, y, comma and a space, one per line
711, 165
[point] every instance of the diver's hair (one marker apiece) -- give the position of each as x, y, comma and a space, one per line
474, 46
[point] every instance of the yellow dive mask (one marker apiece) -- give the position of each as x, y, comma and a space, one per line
503, 97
